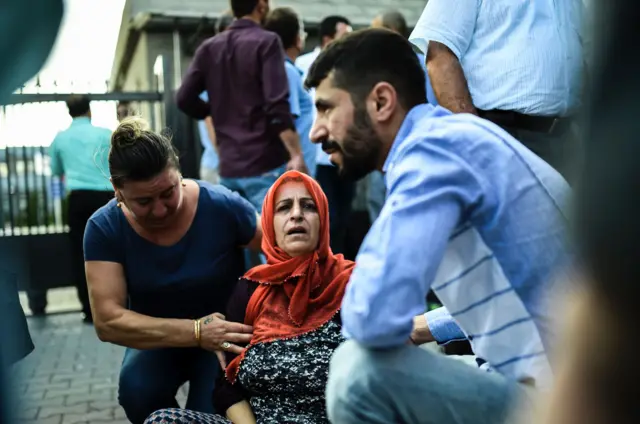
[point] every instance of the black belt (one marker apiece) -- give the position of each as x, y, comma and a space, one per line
514, 120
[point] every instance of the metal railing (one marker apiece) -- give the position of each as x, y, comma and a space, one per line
32, 200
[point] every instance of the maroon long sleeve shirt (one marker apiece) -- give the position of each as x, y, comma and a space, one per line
242, 70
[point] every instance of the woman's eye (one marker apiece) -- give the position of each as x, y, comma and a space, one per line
283, 208
143, 202
310, 206
167, 194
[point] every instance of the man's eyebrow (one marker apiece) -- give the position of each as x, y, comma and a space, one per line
323, 104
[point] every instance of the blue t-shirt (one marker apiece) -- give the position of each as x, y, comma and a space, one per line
190, 279
302, 108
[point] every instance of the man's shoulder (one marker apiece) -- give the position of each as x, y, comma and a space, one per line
293, 72
436, 134
307, 58
243, 35
102, 131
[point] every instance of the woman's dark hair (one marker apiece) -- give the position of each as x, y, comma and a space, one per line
139, 154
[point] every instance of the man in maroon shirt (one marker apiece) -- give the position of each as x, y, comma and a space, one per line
242, 70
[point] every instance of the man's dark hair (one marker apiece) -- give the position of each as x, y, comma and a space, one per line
78, 105
285, 23
139, 154
242, 8
224, 21
328, 25
361, 59
395, 21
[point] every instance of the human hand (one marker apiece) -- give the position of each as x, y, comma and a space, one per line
421, 333
218, 335
297, 163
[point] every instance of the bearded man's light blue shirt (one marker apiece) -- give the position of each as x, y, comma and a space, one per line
474, 215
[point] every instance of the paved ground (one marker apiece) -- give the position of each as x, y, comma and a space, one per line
71, 377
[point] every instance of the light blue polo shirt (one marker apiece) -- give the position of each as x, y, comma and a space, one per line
80, 153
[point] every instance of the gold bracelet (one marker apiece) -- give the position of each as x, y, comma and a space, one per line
196, 329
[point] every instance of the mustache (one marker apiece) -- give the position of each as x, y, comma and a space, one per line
330, 145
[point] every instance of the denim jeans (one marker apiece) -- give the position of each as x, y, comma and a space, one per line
150, 379
408, 385
254, 189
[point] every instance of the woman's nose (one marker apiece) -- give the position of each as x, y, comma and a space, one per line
296, 212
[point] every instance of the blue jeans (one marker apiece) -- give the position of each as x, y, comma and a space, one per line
254, 189
150, 379
408, 384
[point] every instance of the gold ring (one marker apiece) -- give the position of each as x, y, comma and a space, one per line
226, 345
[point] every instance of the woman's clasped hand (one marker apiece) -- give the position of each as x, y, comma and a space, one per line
218, 335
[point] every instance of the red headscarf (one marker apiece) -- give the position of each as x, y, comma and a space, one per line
295, 295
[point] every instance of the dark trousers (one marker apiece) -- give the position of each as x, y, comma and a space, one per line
561, 151
82, 204
339, 194
150, 379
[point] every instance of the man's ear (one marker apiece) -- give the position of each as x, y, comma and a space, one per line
383, 102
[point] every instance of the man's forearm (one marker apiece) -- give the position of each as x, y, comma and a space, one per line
291, 141
211, 132
448, 80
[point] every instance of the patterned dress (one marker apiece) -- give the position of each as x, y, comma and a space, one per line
286, 380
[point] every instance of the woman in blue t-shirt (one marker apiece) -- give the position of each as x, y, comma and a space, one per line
162, 259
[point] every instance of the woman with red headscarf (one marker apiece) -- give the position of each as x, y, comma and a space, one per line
293, 304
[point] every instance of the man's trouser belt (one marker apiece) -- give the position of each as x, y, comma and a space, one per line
515, 120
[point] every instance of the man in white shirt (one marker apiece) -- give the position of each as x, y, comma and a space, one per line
516, 64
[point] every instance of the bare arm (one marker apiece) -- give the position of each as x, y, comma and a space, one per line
211, 132
448, 80
116, 324
241, 413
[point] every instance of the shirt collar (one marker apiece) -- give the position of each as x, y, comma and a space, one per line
81, 120
415, 114
243, 23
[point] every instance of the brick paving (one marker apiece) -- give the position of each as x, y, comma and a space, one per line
71, 377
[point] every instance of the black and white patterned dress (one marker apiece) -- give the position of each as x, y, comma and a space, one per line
286, 380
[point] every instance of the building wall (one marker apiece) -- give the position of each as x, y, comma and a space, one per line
360, 12
138, 75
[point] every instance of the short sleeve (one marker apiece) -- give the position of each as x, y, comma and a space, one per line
244, 217
449, 22
295, 85
100, 243
54, 155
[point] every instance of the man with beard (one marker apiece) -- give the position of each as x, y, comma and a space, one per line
471, 213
